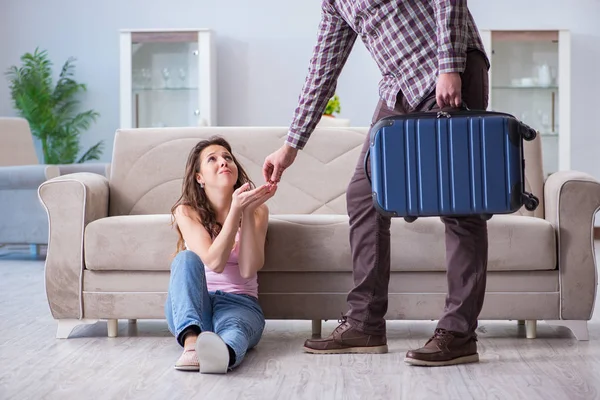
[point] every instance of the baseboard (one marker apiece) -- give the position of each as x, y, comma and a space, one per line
597, 233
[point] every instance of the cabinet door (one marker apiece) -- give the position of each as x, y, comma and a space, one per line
564, 106
529, 78
207, 93
168, 79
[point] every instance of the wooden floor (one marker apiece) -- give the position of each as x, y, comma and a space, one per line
139, 363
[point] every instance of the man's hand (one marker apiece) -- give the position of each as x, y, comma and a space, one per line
448, 90
277, 162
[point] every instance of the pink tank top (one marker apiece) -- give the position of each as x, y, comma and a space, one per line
230, 280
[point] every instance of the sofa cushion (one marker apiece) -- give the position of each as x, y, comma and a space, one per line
132, 242
313, 241
515, 243
320, 243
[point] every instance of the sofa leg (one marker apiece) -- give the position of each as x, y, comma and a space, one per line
316, 328
578, 327
521, 322
113, 327
66, 326
132, 321
531, 328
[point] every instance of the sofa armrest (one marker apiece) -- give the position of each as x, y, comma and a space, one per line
71, 201
22, 177
95, 168
571, 200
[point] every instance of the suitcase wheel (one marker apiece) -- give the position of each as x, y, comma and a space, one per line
410, 219
531, 202
529, 134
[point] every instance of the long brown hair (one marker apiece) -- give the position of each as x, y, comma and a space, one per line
194, 196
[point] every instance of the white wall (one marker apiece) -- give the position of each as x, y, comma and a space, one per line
263, 51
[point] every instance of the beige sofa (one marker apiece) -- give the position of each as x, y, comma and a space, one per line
111, 241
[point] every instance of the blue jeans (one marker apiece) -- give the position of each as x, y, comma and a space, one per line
237, 318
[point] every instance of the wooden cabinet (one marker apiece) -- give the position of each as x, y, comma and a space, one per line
167, 78
530, 77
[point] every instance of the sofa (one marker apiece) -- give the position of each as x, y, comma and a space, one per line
23, 220
111, 239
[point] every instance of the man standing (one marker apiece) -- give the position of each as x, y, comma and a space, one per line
430, 55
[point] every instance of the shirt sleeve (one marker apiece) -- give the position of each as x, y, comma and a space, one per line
335, 40
451, 17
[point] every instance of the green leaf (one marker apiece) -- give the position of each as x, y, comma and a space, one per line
93, 153
52, 110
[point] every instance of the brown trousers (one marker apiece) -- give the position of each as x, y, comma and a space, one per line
466, 237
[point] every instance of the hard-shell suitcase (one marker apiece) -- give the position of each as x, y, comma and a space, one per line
459, 162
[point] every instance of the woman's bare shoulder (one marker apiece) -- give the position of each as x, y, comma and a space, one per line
186, 211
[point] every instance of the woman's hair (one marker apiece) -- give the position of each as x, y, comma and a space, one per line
195, 197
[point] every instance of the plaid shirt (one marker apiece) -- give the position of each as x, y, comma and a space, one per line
411, 42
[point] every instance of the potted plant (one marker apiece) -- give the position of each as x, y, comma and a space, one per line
330, 120
51, 109
333, 106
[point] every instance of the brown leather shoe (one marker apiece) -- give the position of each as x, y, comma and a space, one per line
346, 339
445, 348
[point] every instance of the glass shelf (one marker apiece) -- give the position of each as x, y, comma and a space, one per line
517, 87
548, 134
164, 89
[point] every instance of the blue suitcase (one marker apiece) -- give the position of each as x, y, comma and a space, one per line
459, 162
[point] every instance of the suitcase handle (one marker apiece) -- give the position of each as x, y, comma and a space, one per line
366, 164
463, 105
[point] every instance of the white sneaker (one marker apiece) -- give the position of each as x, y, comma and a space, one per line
212, 352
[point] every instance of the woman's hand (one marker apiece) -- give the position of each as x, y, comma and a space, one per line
264, 193
248, 200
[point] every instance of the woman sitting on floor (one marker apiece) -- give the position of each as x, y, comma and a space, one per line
212, 307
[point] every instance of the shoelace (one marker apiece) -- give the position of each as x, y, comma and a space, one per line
443, 336
342, 322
